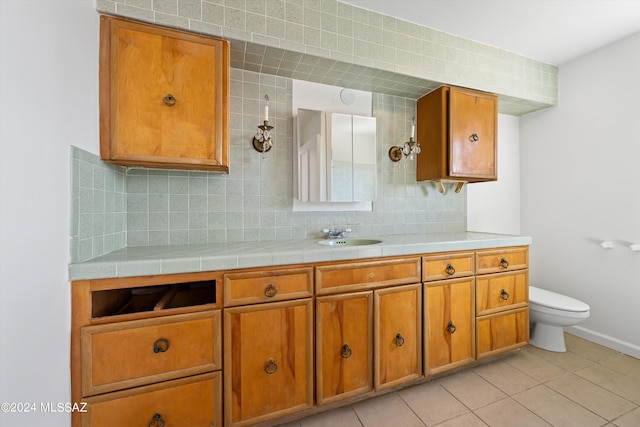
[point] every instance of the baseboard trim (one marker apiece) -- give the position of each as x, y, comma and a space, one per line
605, 340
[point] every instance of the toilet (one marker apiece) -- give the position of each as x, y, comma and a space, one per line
549, 313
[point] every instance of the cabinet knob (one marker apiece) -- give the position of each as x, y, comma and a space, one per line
346, 351
399, 340
450, 270
270, 367
504, 263
161, 345
451, 328
169, 100
504, 295
156, 421
270, 291
474, 137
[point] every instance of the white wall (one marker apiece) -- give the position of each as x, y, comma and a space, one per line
579, 176
49, 87
494, 207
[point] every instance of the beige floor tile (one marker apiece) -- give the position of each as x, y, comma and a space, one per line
341, 417
568, 360
587, 349
621, 384
505, 377
385, 411
432, 403
631, 419
535, 366
508, 413
471, 389
466, 420
596, 399
624, 364
556, 409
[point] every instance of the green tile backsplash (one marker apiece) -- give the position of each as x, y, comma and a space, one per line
98, 206
254, 201
330, 42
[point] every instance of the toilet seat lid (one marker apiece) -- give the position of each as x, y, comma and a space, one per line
556, 301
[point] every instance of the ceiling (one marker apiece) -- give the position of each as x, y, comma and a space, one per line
551, 31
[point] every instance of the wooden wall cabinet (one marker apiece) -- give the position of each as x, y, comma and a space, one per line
164, 97
457, 132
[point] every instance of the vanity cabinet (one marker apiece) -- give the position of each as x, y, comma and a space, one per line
449, 311
262, 345
398, 335
164, 97
268, 363
457, 131
268, 346
147, 349
344, 340
368, 326
502, 300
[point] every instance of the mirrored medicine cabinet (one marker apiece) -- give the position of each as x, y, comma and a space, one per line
335, 157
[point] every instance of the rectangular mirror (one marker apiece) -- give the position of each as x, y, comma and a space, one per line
336, 157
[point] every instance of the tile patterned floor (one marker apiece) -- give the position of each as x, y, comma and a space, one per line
589, 385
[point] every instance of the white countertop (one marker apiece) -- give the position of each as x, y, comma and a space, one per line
171, 259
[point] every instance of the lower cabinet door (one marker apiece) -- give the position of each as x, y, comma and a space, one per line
268, 362
344, 337
193, 402
449, 324
500, 332
398, 335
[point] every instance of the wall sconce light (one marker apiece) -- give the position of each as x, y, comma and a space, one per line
262, 140
409, 149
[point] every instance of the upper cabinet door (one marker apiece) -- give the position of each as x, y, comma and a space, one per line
472, 130
164, 97
457, 131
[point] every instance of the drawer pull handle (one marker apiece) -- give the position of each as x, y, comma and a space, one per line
399, 340
450, 270
474, 137
451, 328
504, 295
270, 291
346, 351
169, 100
271, 367
161, 345
156, 421
504, 263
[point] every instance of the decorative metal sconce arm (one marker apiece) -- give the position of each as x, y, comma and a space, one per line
262, 139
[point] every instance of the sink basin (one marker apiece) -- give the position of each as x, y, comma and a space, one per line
349, 242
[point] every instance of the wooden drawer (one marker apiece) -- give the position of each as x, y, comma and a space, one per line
253, 287
499, 292
499, 260
356, 276
128, 354
438, 267
194, 402
501, 332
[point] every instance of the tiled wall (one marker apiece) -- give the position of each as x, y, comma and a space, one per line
254, 202
330, 42
98, 206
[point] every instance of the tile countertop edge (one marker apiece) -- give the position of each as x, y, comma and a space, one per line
131, 262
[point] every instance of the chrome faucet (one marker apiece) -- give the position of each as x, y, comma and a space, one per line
336, 233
